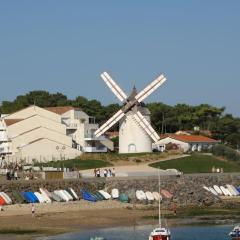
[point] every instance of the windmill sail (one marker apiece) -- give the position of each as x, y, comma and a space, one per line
146, 126
113, 120
150, 88
114, 87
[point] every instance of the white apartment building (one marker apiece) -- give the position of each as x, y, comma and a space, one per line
4, 142
37, 134
81, 128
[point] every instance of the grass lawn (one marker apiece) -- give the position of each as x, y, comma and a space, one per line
197, 163
76, 163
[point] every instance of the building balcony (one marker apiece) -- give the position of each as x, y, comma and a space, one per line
71, 125
3, 137
102, 149
4, 149
92, 137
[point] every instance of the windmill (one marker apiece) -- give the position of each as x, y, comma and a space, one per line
135, 131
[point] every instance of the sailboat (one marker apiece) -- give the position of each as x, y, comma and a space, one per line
160, 233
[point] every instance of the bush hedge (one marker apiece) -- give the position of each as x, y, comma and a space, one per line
226, 152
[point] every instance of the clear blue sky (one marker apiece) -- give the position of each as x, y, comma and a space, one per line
65, 45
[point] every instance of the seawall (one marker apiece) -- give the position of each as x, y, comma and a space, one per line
187, 190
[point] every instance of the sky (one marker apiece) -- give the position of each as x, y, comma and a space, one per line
64, 46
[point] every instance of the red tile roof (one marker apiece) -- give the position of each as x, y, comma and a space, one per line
12, 121
60, 110
112, 134
190, 138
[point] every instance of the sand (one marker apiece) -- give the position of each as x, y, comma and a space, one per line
55, 218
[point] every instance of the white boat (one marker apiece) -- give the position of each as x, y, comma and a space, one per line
232, 190
206, 188
56, 197
45, 195
149, 196
225, 191
157, 196
218, 190
6, 198
39, 197
105, 194
62, 195
160, 233
235, 233
74, 193
235, 189
140, 195
115, 193
70, 198
213, 191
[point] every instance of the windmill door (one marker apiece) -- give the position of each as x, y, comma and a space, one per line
131, 148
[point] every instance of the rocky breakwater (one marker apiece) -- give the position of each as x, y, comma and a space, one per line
187, 190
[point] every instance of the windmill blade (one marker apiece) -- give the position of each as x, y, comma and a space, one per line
113, 86
150, 88
141, 120
113, 120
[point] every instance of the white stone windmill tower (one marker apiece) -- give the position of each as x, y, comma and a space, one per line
135, 131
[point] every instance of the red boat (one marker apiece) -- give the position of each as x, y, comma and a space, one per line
160, 234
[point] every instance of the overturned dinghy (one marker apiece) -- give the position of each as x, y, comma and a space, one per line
115, 193
73, 194
123, 198
140, 195
88, 196
105, 194
166, 194
62, 195
157, 196
30, 197
7, 199
149, 196
213, 191
45, 195
40, 197
56, 197
18, 196
70, 198
218, 190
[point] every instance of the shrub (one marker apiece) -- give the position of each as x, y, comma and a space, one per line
227, 152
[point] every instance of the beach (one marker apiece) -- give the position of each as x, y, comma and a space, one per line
17, 222
56, 218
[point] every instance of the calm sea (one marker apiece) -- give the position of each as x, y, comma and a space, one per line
142, 233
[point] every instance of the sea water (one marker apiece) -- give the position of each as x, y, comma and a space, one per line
142, 233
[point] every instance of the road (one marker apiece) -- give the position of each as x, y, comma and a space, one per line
137, 170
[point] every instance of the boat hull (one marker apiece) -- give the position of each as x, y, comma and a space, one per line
161, 238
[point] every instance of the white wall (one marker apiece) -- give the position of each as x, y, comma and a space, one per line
130, 133
46, 150
38, 133
34, 122
183, 145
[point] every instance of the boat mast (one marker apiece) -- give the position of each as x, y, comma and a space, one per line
159, 208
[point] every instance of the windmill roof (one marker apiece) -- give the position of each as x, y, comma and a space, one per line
133, 93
